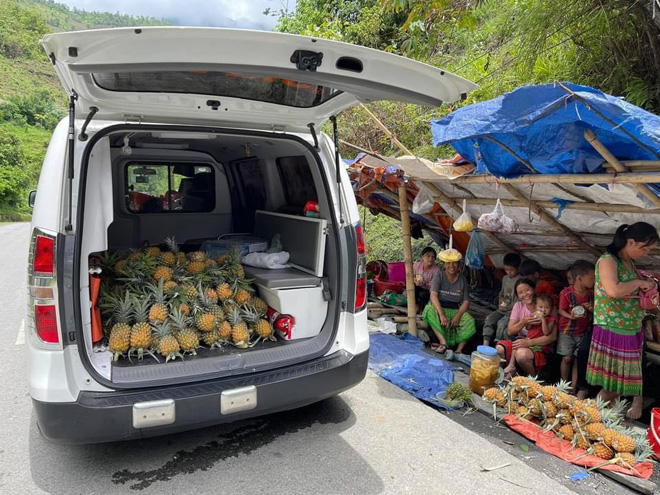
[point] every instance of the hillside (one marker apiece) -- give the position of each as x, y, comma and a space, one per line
31, 98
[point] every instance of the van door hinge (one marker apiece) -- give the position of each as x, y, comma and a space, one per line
132, 119
326, 230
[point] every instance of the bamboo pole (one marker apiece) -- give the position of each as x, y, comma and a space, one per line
453, 203
407, 258
616, 164
551, 220
405, 227
617, 208
625, 178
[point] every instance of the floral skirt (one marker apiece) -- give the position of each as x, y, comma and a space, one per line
453, 335
615, 361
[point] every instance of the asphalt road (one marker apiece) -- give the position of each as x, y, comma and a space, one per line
369, 440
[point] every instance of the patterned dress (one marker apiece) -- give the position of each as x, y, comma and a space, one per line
615, 357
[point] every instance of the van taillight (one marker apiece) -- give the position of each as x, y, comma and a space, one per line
359, 234
43, 263
45, 322
361, 270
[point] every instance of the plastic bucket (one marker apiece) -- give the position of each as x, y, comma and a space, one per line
380, 287
396, 272
654, 431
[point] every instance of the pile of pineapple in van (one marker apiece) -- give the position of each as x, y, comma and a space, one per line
166, 303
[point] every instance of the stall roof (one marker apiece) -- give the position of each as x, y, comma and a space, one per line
534, 149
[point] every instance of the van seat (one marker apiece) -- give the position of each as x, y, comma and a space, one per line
286, 278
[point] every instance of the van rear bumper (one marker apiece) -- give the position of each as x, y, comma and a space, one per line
106, 417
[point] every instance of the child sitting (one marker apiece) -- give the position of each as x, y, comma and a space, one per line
506, 296
576, 306
533, 327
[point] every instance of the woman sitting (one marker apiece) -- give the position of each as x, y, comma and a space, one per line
447, 313
533, 327
424, 271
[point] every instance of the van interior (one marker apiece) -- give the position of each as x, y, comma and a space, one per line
201, 186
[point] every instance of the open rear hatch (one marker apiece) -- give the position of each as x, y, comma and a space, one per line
253, 79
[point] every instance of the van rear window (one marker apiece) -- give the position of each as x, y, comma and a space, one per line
277, 90
297, 180
169, 187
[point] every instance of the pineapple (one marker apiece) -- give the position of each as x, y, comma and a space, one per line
603, 451
625, 459
120, 266
239, 330
580, 441
224, 291
152, 251
224, 329
205, 320
197, 256
222, 259
258, 325
594, 431
535, 408
259, 305
141, 332
217, 312
490, 395
135, 255
167, 345
241, 296
592, 410
548, 392
159, 310
196, 267
607, 436
185, 334
519, 382
190, 291
167, 258
566, 432
170, 286
120, 333
565, 417
212, 338
163, 272
550, 409
523, 413
233, 263
210, 264
623, 441
561, 399
211, 295
181, 259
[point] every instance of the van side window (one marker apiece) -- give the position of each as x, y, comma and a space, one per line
169, 187
297, 180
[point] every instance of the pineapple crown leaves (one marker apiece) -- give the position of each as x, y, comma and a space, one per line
563, 386
162, 329
141, 307
180, 320
121, 308
171, 244
156, 291
108, 261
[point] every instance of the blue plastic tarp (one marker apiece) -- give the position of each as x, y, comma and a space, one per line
545, 126
404, 363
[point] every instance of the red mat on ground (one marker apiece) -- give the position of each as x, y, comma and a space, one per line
549, 442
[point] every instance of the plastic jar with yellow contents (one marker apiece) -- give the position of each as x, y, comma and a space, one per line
484, 370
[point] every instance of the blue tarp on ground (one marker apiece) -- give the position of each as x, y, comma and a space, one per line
404, 363
544, 125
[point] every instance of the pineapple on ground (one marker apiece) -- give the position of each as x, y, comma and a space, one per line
624, 441
240, 335
601, 450
566, 432
184, 332
142, 338
120, 333
159, 310
166, 344
561, 398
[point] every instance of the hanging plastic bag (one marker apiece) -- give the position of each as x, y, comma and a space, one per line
509, 225
423, 202
464, 222
492, 221
475, 254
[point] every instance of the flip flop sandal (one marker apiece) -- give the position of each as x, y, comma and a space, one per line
439, 348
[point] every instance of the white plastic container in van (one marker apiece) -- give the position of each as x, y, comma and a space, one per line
197, 133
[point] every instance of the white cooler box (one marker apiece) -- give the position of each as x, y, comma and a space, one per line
306, 305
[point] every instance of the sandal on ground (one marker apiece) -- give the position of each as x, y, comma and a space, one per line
439, 348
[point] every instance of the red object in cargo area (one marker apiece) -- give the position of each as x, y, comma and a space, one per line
380, 287
396, 272
284, 325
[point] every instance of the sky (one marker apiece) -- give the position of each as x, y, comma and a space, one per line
247, 14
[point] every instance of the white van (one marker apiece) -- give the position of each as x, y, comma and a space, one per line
235, 116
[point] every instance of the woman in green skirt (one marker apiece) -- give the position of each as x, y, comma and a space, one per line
447, 313
615, 357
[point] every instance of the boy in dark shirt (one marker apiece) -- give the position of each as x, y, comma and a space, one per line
532, 270
576, 305
506, 297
